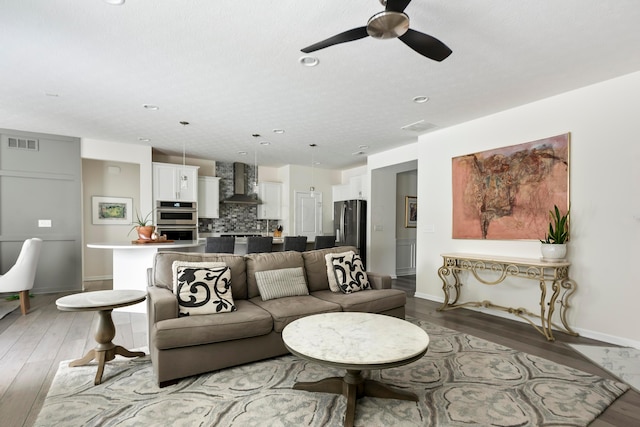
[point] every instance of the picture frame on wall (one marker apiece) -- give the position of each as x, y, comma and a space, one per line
111, 210
410, 211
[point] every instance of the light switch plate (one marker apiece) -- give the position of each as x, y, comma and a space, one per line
44, 223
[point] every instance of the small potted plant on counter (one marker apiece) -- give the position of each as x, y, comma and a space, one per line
143, 226
554, 246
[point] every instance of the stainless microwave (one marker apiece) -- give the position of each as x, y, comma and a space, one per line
176, 213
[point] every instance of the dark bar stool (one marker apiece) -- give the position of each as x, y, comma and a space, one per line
325, 242
220, 245
259, 244
295, 243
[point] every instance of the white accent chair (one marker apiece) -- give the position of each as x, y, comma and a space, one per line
21, 276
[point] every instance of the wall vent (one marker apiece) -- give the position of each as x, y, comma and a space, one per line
420, 126
23, 143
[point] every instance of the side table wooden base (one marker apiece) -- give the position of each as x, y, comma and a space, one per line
106, 350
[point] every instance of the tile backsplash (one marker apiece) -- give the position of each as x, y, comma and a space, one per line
234, 218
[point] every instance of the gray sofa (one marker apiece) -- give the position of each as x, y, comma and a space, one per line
185, 346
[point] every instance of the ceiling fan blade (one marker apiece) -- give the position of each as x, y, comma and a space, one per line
347, 36
425, 45
397, 5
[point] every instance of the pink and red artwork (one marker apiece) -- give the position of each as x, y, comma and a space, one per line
507, 193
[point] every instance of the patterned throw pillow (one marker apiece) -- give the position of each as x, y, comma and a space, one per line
202, 288
333, 285
349, 273
284, 282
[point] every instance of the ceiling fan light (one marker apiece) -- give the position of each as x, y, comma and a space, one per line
309, 61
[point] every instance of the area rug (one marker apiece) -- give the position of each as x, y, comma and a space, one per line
461, 381
623, 362
7, 307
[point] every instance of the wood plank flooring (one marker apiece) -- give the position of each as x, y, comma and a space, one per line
32, 346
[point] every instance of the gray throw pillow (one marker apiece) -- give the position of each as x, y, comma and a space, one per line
284, 282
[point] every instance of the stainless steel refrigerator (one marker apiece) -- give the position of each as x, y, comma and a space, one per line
350, 225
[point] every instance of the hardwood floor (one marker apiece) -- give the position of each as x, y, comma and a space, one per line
32, 346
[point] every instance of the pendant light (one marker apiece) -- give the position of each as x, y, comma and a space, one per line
312, 189
255, 167
184, 179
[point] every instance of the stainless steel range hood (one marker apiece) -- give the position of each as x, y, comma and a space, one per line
240, 196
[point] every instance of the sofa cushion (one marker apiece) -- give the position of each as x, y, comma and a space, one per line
284, 282
247, 321
315, 266
371, 301
269, 261
202, 288
286, 310
163, 274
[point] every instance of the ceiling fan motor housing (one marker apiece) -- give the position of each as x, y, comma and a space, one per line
388, 25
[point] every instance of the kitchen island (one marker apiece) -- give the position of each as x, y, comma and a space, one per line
131, 261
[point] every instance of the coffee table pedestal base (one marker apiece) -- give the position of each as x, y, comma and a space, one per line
354, 386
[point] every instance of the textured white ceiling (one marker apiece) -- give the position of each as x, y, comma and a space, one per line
231, 69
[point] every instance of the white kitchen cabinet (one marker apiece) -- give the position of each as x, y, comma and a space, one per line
169, 185
208, 197
270, 194
354, 189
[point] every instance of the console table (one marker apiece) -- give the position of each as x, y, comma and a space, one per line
552, 276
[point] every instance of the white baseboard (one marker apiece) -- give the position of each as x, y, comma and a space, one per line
97, 278
611, 339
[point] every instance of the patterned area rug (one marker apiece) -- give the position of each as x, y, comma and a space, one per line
623, 362
461, 381
7, 307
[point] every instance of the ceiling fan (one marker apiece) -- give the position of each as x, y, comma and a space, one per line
390, 23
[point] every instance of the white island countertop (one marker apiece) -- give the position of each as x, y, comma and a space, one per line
128, 245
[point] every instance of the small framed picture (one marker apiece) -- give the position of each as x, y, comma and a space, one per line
410, 211
111, 210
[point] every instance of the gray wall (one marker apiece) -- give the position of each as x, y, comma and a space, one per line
42, 184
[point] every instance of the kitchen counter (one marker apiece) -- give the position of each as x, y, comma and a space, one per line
131, 261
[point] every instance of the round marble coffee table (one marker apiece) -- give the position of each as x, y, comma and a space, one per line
355, 342
104, 302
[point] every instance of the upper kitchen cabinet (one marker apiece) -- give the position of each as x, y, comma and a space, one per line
355, 189
270, 194
175, 182
208, 197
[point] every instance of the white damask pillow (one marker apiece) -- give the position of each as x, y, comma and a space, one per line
349, 273
333, 285
202, 288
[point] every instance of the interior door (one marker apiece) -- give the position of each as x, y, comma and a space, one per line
307, 213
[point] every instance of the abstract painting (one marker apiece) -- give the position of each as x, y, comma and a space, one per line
111, 210
507, 193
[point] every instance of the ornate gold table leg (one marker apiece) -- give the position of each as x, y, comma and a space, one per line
106, 350
354, 386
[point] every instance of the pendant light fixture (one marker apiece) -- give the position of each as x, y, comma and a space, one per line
184, 179
255, 166
312, 189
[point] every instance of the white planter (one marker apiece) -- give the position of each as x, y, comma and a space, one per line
552, 251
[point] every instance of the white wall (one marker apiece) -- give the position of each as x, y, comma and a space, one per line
605, 203
120, 152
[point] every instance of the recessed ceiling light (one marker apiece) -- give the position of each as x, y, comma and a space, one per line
144, 139
363, 147
150, 107
309, 61
265, 143
115, 2
51, 94
278, 131
420, 99
242, 153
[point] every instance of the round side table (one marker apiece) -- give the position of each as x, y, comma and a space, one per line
103, 302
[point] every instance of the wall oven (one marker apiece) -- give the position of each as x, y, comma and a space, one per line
177, 220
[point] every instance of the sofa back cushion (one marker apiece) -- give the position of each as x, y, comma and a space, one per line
269, 261
163, 273
315, 266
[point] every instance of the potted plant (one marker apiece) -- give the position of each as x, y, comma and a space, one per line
143, 226
554, 246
